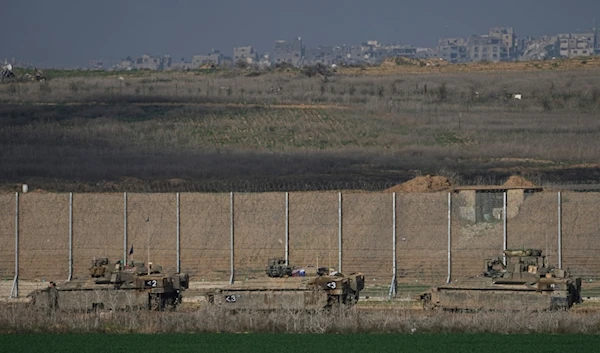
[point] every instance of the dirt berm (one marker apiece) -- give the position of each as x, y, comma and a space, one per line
425, 183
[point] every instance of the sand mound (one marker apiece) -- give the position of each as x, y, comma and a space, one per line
176, 181
518, 181
426, 183
388, 62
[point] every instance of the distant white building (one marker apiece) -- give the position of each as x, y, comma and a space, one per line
577, 44
245, 54
213, 58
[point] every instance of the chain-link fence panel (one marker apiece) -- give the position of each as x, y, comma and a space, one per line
532, 222
422, 226
367, 230
476, 232
581, 236
313, 226
7, 236
477, 227
152, 229
205, 236
259, 232
98, 222
43, 236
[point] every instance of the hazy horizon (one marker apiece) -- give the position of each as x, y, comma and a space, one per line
67, 33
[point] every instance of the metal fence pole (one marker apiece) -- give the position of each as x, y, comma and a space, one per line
287, 229
231, 276
125, 229
70, 236
340, 232
559, 230
449, 238
504, 226
178, 249
14, 291
394, 264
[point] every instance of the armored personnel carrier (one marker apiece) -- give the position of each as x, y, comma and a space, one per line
285, 287
526, 282
111, 286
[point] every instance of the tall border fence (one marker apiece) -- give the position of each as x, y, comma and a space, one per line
400, 241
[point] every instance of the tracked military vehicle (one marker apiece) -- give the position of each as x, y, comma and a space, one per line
525, 282
111, 286
285, 287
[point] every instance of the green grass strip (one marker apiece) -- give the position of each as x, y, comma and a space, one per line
292, 343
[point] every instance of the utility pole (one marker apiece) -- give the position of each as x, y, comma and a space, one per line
148, 228
596, 49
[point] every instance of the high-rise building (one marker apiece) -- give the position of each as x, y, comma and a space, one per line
289, 52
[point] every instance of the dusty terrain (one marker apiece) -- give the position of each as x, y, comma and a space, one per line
415, 128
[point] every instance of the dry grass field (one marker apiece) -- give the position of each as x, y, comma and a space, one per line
213, 131
21, 319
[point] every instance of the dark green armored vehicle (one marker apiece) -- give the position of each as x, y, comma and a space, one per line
290, 288
111, 286
526, 282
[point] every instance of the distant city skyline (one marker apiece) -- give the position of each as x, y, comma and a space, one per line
68, 33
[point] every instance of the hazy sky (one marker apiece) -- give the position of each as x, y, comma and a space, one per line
71, 32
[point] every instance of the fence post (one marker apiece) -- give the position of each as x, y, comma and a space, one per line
287, 229
394, 265
504, 226
449, 237
340, 232
125, 229
559, 230
178, 249
231, 276
70, 236
14, 291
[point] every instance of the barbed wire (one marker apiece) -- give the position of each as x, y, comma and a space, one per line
212, 186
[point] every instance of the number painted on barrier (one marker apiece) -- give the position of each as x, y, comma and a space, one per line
331, 285
151, 283
230, 298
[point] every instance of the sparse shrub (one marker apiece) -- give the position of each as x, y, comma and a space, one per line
284, 66
546, 102
241, 64
473, 94
442, 92
74, 87
449, 138
318, 69
596, 95
45, 88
